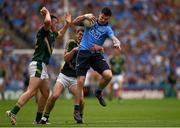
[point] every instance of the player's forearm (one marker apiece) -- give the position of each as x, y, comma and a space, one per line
69, 55
62, 31
100, 48
47, 20
116, 41
78, 20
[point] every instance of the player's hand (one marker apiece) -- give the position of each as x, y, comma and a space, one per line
68, 18
97, 48
75, 49
117, 46
44, 11
90, 17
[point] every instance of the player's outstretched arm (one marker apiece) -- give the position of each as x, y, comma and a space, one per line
47, 20
78, 20
68, 55
116, 42
68, 20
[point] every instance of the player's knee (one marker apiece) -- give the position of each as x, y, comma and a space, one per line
46, 97
30, 93
108, 76
82, 99
45, 93
81, 81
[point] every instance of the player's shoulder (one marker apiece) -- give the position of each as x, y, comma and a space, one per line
109, 26
42, 30
71, 41
122, 57
104, 28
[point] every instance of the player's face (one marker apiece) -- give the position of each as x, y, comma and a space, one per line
54, 24
79, 35
103, 19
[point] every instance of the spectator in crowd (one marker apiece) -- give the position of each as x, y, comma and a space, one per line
2, 77
116, 62
148, 28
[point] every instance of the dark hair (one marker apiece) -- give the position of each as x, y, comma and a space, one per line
53, 16
106, 11
80, 29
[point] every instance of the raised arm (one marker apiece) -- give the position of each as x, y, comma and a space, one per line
47, 18
78, 20
68, 21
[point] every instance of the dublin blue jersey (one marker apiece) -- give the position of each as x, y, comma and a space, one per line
96, 34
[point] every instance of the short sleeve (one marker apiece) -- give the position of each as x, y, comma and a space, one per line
41, 33
56, 34
110, 32
69, 45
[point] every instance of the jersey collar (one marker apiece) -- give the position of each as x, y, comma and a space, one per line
102, 24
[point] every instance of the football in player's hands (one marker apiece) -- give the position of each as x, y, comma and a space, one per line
89, 20
88, 23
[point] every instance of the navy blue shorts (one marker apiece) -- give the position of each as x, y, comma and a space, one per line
87, 59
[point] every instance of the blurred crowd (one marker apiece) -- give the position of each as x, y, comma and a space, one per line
148, 29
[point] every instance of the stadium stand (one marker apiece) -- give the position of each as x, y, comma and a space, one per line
149, 30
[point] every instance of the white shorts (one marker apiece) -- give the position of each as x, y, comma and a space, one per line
38, 69
66, 81
117, 80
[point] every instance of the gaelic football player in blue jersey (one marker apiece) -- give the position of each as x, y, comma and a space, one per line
90, 55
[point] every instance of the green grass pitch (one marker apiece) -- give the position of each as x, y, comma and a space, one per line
124, 113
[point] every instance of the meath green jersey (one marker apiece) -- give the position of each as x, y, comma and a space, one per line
2, 73
116, 63
69, 68
44, 45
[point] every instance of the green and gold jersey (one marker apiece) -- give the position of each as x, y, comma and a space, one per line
69, 68
116, 63
2, 73
44, 45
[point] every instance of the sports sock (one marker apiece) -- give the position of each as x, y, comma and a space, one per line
38, 116
77, 107
46, 115
15, 109
98, 90
81, 115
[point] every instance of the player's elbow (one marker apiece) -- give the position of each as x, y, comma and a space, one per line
47, 23
75, 23
60, 35
66, 58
